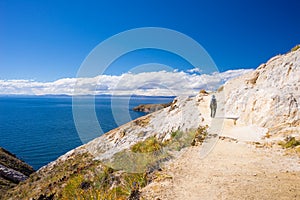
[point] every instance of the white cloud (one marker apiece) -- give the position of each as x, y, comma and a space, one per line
194, 70
146, 83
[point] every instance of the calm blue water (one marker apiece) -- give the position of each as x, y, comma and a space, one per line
40, 129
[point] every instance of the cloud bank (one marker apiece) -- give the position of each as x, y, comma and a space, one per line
161, 83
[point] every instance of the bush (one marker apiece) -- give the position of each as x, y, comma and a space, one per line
290, 142
295, 48
180, 140
149, 145
200, 135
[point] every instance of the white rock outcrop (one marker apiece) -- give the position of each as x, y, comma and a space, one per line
269, 96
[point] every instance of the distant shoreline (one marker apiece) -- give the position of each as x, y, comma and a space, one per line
97, 96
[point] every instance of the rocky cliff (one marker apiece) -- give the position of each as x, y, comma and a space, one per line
269, 96
12, 171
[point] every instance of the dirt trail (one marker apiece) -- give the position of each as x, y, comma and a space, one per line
233, 170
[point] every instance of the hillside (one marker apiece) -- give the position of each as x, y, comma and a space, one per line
181, 152
12, 171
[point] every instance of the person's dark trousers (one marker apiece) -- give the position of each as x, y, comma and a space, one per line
213, 112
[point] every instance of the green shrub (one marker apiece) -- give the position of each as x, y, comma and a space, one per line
289, 143
149, 145
180, 140
295, 48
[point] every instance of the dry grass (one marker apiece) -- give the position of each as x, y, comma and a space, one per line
200, 135
143, 121
203, 92
290, 142
295, 48
80, 177
151, 144
221, 88
148, 155
173, 105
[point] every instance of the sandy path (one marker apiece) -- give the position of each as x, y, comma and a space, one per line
233, 170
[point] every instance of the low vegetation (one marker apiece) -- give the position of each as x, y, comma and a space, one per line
143, 121
289, 142
295, 48
180, 140
148, 155
107, 185
200, 135
144, 156
151, 144
121, 177
80, 177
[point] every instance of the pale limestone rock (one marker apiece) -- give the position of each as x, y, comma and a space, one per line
269, 96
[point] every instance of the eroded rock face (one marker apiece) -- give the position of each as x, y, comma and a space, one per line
269, 96
11, 174
12, 171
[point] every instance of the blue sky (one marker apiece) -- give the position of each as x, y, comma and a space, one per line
48, 40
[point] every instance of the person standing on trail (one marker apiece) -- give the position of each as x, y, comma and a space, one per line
213, 106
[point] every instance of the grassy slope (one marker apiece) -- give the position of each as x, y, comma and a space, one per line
81, 177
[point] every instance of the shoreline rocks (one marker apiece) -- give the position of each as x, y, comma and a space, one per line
149, 108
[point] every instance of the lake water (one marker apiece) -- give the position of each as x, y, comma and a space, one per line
40, 129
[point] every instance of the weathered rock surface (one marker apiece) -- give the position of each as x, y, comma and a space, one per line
12, 170
11, 161
269, 96
11, 174
183, 114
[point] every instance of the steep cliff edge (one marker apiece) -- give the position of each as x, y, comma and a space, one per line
251, 108
12, 171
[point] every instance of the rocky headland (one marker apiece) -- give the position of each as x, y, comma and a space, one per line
149, 108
